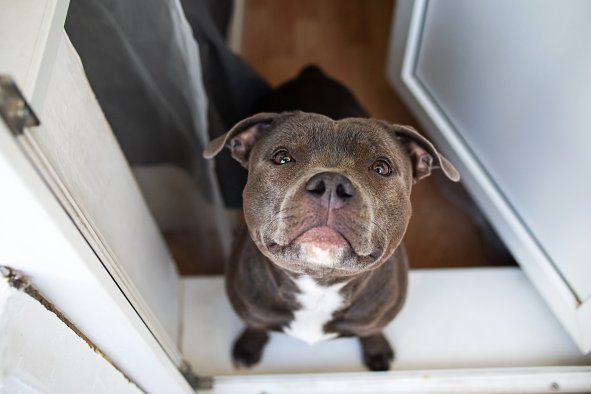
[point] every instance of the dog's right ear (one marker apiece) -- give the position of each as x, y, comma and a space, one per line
241, 138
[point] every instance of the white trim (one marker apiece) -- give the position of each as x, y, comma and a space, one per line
404, 46
522, 380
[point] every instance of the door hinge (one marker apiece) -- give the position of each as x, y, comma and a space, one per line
14, 108
195, 381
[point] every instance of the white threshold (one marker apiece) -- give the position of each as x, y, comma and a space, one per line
472, 381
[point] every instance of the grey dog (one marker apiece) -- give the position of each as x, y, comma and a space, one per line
326, 204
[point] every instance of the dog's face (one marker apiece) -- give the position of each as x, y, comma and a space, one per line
325, 197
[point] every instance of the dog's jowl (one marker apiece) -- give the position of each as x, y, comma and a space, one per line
326, 205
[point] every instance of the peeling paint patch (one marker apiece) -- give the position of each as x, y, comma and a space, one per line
24, 323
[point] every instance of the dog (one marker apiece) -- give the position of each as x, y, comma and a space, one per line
326, 205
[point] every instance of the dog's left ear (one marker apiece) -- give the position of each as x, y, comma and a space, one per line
423, 154
241, 138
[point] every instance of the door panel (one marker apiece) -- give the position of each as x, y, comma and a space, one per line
503, 90
515, 81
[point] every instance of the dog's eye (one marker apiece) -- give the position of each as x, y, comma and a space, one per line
381, 167
282, 157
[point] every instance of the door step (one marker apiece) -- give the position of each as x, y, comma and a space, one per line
453, 319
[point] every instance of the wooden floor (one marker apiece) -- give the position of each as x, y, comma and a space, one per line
348, 40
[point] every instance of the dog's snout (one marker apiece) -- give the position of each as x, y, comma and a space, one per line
330, 189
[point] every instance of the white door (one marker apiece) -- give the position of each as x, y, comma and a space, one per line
504, 88
107, 255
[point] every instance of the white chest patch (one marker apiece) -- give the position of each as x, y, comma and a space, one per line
318, 305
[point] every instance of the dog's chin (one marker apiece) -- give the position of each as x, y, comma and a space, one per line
320, 251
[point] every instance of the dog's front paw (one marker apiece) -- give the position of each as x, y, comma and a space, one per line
378, 362
248, 348
377, 353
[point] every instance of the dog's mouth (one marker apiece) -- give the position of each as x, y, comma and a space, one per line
323, 245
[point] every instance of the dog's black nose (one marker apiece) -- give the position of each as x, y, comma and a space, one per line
331, 189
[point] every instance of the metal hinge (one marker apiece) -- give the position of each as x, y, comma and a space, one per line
195, 381
14, 108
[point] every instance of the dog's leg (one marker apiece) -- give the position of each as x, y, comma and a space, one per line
248, 348
377, 353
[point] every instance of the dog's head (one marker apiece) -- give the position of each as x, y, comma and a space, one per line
327, 197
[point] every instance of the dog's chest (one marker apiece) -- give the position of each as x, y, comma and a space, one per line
318, 303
